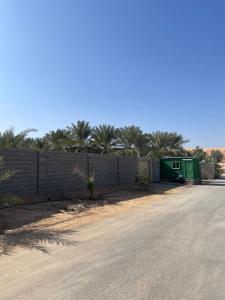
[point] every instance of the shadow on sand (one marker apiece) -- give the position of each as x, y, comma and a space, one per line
125, 194
31, 238
16, 223
15, 217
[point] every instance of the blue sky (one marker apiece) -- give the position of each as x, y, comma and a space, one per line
157, 64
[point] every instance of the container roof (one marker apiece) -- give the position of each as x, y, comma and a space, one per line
180, 157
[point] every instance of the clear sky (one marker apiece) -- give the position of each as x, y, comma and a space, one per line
158, 64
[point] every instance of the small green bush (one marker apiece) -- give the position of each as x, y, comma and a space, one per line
90, 180
142, 179
91, 185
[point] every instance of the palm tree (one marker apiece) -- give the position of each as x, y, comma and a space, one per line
104, 137
9, 139
35, 143
217, 155
199, 153
166, 143
143, 145
58, 140
129, 136
80, 134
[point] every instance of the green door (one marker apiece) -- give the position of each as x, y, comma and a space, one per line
188, 168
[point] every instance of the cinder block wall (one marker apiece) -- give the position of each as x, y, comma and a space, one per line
208, 170
155, 166
59, 172
56, 172
144, 167
105, 169
128, 170
24, 163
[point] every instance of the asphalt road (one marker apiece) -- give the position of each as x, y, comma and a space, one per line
170, 249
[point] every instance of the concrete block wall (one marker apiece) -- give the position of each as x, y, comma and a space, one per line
104, 168
150, 167
53, 172
128, 170
59, 172
144, 167
208, 170
24, 163
155, 170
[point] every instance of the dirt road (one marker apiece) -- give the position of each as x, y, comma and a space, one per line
173, 248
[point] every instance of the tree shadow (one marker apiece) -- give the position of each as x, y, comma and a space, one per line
124, 194
16, 223
31, 238
13, 218
165, 188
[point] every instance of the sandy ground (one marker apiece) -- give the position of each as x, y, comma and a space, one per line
124, 200
49, 214
168, 245
33, 226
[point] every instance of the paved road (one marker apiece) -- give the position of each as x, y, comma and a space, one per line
171, 249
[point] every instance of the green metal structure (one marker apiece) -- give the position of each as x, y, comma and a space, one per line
176, 167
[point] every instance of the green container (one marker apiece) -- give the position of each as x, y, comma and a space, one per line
173, 167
